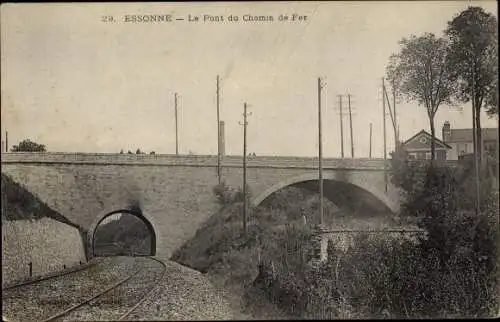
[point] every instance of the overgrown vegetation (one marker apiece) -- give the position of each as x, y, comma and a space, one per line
450, 271
27, 145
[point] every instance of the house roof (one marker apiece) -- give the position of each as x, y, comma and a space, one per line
465, 135
421, 140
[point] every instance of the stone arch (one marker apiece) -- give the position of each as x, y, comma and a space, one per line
138, 213
357, 180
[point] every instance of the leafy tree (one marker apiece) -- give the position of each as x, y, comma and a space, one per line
474, 59
420, 72
129, 152
28, 146
152, 152
121, 151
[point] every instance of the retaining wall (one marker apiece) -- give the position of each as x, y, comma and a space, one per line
48, 244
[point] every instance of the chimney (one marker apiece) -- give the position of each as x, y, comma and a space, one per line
222, 142
446, 132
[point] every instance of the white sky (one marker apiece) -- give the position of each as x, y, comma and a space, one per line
75, 83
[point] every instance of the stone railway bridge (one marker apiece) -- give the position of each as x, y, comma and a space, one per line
174, 193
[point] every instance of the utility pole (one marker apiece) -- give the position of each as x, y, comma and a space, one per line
320, 152
6, 141
218, 134
396, 127
350, 124
245, 123
370, 155
475, 143
176, 128
341, 129
393, 117
384, 130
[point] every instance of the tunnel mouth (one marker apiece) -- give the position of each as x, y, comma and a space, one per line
123, 233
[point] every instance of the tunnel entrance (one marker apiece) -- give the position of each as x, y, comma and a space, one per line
124, 233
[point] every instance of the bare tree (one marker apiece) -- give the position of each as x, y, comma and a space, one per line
420, 72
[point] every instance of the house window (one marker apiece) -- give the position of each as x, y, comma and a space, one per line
441, 155
423, 140
420, 155
427, 155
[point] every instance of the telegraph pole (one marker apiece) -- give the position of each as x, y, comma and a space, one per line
475, 142
218, 133
341, 129
384, 130
393, 117
6, 141
396, 127
176, 128
245, 123
350, 124
370, 155
320, 152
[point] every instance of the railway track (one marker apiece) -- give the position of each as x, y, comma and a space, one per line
118, 301
51, 276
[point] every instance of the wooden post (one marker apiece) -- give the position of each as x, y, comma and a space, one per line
341, 129
320, 155
385, 134
370, 155
394, 110
350, 124
176, 128
477, 150
218, 134
245, 169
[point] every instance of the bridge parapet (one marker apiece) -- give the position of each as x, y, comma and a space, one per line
194, 160
189, 160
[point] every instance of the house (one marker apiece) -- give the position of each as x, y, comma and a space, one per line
419, 147
461, 141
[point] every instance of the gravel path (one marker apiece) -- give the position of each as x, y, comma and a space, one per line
184, 294
36, 302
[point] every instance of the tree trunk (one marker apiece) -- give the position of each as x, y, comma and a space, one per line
433, 134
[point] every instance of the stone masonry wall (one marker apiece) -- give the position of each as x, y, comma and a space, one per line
46, 243
174, 193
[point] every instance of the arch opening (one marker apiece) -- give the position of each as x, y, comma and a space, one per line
346, 205
123, 233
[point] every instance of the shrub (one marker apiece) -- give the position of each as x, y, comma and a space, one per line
223, 193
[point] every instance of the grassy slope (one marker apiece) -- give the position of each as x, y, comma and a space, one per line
219, 249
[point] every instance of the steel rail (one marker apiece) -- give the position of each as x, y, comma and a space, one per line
74, 307
50, 276
155, 285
